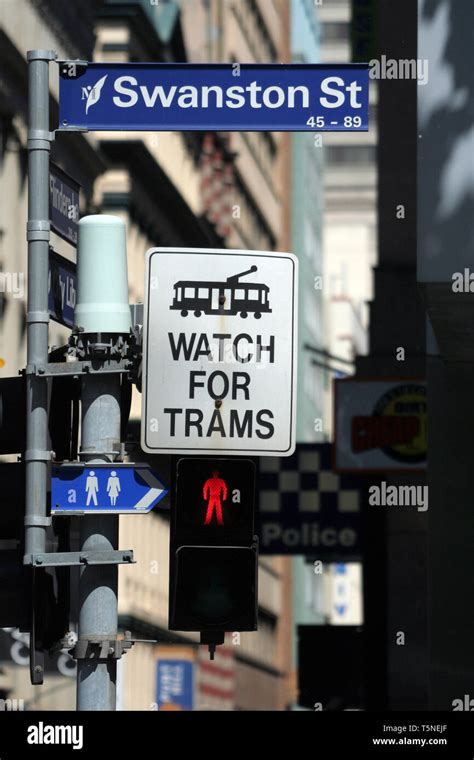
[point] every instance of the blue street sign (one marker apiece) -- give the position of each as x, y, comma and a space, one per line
63, 204
175, 685
105, 489
62, 289
240, 97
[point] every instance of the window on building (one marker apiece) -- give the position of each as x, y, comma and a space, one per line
254, 29
350, 154
335, 31
251, 224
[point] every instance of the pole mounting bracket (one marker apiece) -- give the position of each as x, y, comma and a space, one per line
84, 558
37, 455
76, 368
37, 521
72, 68
40, 134
38, 230
37, 317
97, 648
41, 55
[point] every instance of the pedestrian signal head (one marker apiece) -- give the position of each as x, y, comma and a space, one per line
213, 548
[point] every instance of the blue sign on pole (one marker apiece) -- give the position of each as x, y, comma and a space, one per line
63, 204
240, 97
105, 489
62, 289
175, 685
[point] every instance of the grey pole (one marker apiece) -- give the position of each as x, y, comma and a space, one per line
96, 679
37, 455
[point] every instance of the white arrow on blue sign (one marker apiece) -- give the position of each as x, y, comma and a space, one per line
105, 489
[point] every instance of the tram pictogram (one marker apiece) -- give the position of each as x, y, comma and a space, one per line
230, 297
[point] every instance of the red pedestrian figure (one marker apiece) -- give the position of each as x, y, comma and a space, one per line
213, 487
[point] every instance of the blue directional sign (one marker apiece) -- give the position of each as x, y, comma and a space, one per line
105, 489
175, 685
62, 289
63, 204
240, 97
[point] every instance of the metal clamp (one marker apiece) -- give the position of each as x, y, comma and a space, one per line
91, 649
84, 558
37, 317
39, 139
37, 455
37, 521
102, 649
41, 55
38, 229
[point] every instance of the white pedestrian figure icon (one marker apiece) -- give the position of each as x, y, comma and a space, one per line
92, 487
113, 487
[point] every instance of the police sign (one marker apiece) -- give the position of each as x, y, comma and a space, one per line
170, 96
219, 352
307, 508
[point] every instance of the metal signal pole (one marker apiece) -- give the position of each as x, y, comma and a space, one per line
96, 666
103, 322
102, 341
37, 455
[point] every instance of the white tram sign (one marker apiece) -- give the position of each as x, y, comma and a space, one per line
219, 352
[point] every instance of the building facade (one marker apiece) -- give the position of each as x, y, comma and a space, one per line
68, 29
350, 219
307, 206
